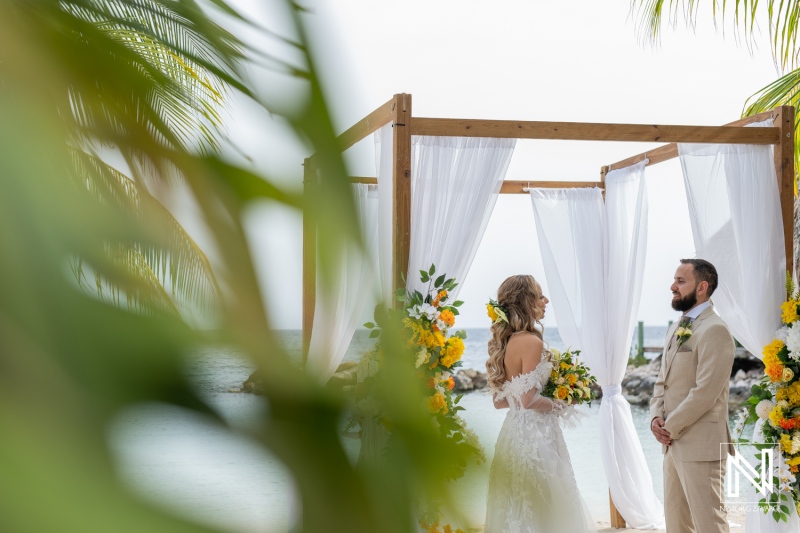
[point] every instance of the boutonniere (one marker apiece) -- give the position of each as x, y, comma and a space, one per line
684, 331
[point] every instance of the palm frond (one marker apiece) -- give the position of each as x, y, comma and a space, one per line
783, 91
171, 258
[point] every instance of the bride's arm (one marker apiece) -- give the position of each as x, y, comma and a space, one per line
501, 403
530, 350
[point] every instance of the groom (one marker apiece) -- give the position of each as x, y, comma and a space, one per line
689, 409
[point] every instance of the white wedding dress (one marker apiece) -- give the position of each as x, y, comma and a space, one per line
532, 487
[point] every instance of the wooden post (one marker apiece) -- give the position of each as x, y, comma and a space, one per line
617, 522
784, 168
309, 257
401, 182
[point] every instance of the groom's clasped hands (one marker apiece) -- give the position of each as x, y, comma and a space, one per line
662, 435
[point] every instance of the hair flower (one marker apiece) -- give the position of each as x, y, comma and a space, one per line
496, 312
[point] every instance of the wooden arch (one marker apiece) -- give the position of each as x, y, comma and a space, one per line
397, 111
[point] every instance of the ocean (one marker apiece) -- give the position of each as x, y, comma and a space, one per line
188, 466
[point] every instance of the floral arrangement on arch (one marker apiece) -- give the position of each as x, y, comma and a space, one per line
776, 400
434, 349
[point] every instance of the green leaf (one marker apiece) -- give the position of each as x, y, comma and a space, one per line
458, 398
374, 333
454, 311
785, 509
369, 325
432, 270
458, 303
423, 276
439, 281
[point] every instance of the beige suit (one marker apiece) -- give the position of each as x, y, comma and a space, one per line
691, 394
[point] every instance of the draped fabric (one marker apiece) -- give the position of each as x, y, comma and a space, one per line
338, 308
734, 206
735, 209
383, 165
454, 186
593, 255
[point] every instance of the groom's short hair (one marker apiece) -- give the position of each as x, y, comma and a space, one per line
704, 271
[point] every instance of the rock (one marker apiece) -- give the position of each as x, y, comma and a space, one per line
632, 384
344, 377
469, 372
462, 382
254, 384
347, 365
647, 385
740, 375
480, 381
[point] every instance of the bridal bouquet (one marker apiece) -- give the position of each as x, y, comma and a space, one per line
776, 401
570, 380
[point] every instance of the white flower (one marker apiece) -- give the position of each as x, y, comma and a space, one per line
442, 326
783, 404
429, 311
560, 381
579, 384
501, 315
587, 391
787, 374
556, 354
785, 476
793, 342
422, 357
795, 442
782, 334
764, 408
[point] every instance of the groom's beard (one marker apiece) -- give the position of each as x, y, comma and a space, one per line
685, 303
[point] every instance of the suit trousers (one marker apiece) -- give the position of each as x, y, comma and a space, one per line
693, 496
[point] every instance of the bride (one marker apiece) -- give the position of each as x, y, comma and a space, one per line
531, 484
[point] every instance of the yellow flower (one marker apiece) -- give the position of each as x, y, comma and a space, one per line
564, 366
786, 442
775, 416
572, 378
789, 312
437, 403
453, 351
438, 339
554, 375
561, 393
771, 351
491, 312
787, 375
793, 461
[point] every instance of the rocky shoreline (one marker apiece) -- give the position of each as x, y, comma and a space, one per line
637, 385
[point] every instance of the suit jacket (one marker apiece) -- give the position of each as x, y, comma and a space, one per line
691, 391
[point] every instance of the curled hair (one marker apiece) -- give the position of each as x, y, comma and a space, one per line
518, 295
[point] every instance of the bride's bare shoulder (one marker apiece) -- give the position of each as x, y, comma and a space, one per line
525, 344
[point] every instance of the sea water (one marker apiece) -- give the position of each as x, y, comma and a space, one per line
189, 466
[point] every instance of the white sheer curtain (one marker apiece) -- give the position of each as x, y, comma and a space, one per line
454, 186
593, 256
735, 209
383, 164
338, 309
734, 206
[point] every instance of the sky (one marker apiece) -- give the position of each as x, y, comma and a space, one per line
565, 60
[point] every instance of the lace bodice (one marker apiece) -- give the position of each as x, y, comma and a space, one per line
519, 385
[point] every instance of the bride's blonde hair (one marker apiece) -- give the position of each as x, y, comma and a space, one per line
518, 296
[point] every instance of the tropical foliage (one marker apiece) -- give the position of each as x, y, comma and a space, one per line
432, 351
776, 401
138, 83
783, 21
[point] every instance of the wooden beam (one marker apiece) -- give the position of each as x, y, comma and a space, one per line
309, 259
512, 186
369, 124
516, 187
358, 131
670, 151
617, 520
784, 168
401, 187
582, 131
